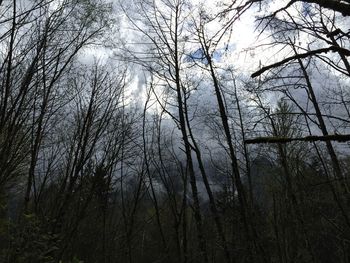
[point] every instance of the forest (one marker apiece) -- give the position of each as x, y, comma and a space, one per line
192, 131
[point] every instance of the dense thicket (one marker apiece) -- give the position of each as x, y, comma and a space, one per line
135, 132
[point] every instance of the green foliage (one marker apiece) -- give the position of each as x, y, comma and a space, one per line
30, 242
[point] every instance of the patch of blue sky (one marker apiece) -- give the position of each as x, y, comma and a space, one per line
217, 56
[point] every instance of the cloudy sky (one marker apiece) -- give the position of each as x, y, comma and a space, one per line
245, 49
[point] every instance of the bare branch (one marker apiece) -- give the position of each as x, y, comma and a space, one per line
340, 50
332, 137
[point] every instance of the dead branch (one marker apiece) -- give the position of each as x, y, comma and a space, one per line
332, 137
344, 51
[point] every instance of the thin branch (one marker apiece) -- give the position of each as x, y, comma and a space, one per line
340, 50
333, 137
